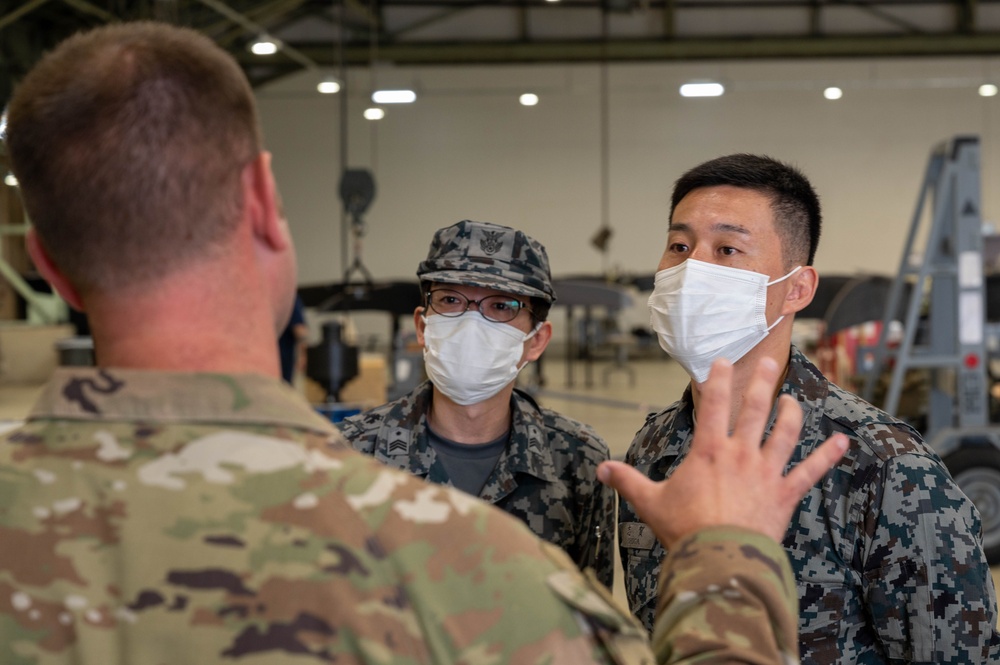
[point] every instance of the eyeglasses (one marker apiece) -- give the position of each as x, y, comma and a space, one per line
499, 309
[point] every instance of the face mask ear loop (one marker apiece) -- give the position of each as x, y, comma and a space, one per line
526, 338
781, 279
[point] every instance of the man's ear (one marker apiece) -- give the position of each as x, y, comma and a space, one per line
262, 203
538, 343
801, 290
48, 269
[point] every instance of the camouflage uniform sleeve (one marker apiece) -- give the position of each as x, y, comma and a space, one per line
577, 452
727, 595
596, 504
924, 581
605, 519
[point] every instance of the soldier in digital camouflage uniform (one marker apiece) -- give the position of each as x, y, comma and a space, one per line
886, 550
181, 505
471, 427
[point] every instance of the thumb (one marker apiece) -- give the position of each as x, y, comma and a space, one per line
630, 484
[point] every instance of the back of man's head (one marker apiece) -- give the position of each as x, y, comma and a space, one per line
794, 201
129, 142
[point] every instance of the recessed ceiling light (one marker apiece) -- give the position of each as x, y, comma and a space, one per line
833, 92
704, 89
374, 113
264, 45
394, 96
329, 86
987, 90
529, 99
10, 180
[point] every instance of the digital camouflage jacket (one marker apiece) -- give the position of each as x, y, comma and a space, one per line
546, 477
153, 518
886, 549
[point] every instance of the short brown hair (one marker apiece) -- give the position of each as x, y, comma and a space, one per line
794, 202
129, 142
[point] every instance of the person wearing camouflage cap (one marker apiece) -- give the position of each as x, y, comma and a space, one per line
180, 504
468, 426
887, 550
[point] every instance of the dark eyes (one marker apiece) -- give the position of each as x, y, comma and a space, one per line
681, 248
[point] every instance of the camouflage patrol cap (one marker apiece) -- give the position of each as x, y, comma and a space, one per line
490, 256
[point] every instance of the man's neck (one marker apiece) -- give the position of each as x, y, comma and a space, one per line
777, 349
175, 327
474, 423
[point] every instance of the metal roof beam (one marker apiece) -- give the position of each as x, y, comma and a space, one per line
891, 19
93, 10
9, 18
676, 49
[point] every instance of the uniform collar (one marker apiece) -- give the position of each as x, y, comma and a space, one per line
108, 394
810, 388
404, 442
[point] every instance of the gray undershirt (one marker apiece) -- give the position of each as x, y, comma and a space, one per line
468, 465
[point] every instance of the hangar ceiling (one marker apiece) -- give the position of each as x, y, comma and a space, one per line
321, 34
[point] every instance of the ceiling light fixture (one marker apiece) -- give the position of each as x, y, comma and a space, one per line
264, 45
328, 86
374, 113
10, 180
833, 92
702, 89
987, 90
394, 96
529, 99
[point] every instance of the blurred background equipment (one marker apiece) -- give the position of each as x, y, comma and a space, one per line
948, 331
357, 191
333, 362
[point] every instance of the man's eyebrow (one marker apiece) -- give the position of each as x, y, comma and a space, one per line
721, 227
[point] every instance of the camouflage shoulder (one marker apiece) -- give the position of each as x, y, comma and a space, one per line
582, 434
884, 435
650, 442
491, 586
362, 430
664, 415
624, 638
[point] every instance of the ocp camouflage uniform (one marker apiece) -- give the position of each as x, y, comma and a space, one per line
886, 550
546, 475
154, 518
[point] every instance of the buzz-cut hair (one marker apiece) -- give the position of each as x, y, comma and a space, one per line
793, 200
129, 142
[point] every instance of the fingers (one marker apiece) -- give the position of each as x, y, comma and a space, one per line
713, 412
784, 437
811, 469
757, 402
630, 484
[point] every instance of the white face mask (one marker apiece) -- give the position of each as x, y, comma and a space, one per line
702, 311
470, 359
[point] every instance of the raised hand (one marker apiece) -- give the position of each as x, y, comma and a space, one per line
730, 478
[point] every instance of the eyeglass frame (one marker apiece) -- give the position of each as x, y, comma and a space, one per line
522, 305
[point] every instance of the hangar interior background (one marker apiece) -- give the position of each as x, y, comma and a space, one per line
599, 151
